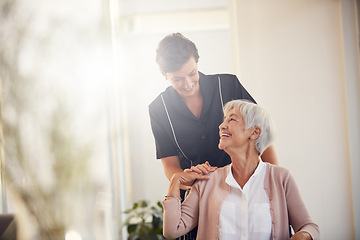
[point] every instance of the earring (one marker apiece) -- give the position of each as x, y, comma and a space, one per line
249, 138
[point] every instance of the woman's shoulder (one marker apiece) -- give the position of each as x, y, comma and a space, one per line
277, 172
158, 102
276, 168
225, 76
227, 81
220, 173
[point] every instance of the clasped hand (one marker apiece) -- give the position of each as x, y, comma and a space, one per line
188, 176
204, 168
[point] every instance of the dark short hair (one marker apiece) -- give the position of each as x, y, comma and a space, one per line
173, 51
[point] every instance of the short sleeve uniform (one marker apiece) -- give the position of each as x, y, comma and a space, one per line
198, 138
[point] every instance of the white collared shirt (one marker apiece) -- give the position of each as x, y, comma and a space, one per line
245, 213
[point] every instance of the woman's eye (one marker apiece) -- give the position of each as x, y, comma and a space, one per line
232, 119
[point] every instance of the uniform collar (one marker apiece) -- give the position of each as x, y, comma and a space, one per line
208, 91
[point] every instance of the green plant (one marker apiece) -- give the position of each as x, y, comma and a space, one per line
144, 222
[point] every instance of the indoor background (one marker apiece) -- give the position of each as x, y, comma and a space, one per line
299, 59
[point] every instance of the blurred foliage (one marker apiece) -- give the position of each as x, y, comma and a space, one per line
42, 163
144, 221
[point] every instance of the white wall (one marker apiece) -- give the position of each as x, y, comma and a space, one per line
292, 60
352, 72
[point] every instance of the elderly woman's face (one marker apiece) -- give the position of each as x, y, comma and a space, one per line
185, 80
232, 131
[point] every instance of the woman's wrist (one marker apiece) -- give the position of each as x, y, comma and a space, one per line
173, 196
174, 186
175, 181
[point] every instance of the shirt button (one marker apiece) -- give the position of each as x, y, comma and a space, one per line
203, 137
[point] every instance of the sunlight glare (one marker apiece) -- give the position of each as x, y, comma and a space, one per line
72, 235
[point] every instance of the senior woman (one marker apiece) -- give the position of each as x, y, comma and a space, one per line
248, 199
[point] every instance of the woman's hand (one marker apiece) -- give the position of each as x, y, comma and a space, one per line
187, 178
183, 179
204, 168
301, 236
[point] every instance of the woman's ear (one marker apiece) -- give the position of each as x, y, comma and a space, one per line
256, 133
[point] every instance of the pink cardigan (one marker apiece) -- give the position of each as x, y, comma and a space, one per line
202, 206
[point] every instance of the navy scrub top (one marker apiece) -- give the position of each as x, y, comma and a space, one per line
197, 138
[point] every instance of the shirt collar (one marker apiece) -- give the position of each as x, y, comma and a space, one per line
230, 180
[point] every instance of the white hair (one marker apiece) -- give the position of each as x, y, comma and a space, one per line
255, 116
